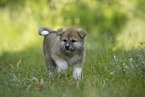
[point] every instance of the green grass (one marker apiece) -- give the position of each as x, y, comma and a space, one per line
115, 48
105, 74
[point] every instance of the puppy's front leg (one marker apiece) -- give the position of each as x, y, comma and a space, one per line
61, 64
77, 70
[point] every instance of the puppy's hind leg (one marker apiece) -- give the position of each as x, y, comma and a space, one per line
50, 65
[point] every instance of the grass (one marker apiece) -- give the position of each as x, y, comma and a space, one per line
115, 49
108, 73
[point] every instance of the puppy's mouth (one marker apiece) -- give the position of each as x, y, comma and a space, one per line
69, 49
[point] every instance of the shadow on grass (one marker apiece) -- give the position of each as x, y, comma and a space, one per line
29, 56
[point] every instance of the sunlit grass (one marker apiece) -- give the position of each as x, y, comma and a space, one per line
132, 34
18, 28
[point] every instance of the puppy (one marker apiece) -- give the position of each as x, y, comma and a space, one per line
62, 48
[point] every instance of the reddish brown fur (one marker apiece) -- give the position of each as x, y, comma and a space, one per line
54, 54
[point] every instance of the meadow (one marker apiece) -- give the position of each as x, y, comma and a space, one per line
115, 48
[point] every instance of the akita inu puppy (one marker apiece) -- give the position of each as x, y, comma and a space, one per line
64, 47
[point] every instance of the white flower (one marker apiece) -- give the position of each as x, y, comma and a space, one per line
114, 57
112, 72
126, 66
130, 59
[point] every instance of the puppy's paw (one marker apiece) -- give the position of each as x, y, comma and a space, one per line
77, 73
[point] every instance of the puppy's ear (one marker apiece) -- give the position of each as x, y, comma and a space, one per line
60, 31
82, 33
44, 31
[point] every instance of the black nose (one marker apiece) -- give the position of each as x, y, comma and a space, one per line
67, 47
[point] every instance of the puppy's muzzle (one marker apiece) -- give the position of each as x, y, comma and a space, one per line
69, 47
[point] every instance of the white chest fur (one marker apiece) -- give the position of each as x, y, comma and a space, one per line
71, 61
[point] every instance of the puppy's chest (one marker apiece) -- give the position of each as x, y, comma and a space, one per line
73, 60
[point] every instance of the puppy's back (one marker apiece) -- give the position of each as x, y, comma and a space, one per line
48, 42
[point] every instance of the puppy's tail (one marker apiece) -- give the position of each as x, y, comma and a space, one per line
45, 31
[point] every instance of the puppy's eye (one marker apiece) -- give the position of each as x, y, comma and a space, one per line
64, 40
73, 41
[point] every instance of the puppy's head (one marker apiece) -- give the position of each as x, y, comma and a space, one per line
71, 38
